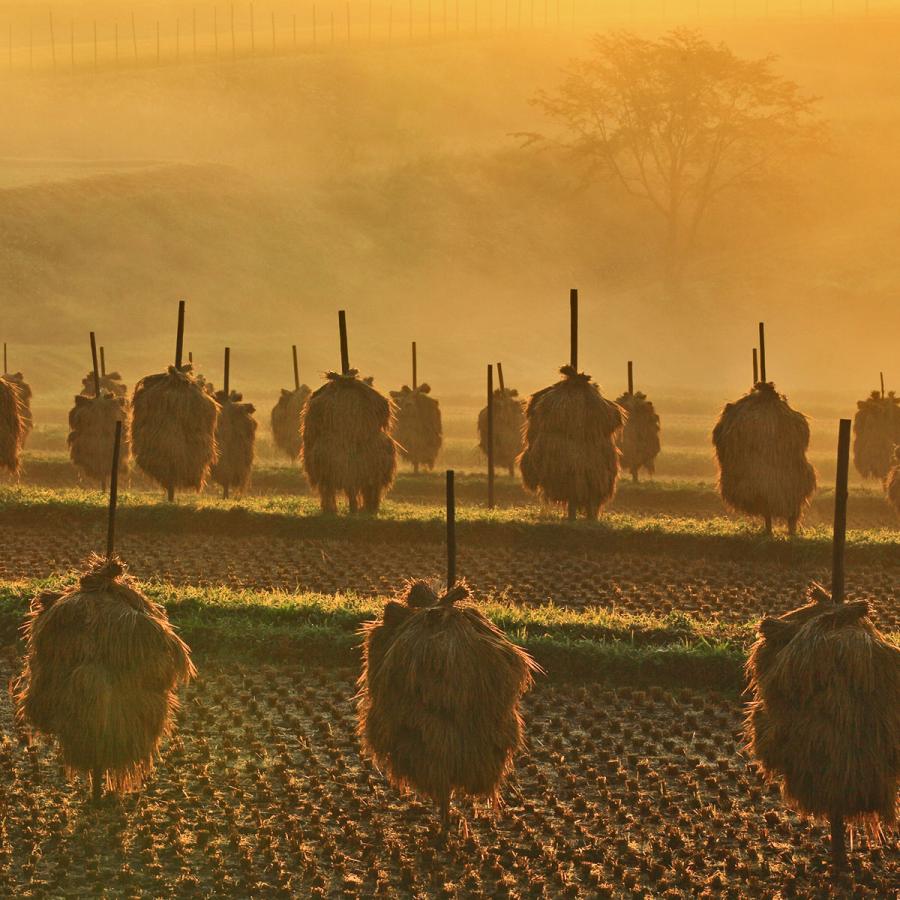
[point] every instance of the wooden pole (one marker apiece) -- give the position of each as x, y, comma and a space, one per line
345, 353
762, 352
573, 361
490, 435
415, 374
113, 493
296, 368
227, 379
630, 378
102, 362
838, 832
96, 366
840, 512
451, 531
179, 340
573, 328
500, 377
755, 367
882, 384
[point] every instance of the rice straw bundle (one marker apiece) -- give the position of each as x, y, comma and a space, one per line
639, 440
17, 380
439, 696
417, 426
761, 445
876, 429
110, 382
346, 442
92, 429
570, 453
824, 721
174, 429
235, 439
287, 420
101, 672
509, 420
12, 429
892, 482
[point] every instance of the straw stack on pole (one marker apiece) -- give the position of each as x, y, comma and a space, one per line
440, 691
346, 437
287, 414
509, 420
235, 437
876, 430
12, 428
639, 440
93, 424
761, 445
109, 381
824, 720
892, 482
23, 390
174, 425
102, 669
417, 428
570, 454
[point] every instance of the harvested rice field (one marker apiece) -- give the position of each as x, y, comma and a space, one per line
621, 792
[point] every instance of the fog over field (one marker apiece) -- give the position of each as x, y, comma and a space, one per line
388, 179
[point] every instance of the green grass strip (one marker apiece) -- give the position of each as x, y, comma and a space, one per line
316, 629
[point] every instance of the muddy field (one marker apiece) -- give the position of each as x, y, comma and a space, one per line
263, 794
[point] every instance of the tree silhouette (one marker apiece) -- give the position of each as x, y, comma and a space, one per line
677, 122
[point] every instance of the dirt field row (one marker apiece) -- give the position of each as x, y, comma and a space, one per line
263, 794
710, 589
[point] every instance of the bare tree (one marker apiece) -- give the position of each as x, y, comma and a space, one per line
677, 122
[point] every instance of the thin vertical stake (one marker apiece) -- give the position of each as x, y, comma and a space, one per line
840, 512
102, 362
762, 352
490, 435
630, 378
96, 366
415, 373
500, 377
345, 353
451, 531
296, 368
573, 323
882, 384
179, 340
113, 493
226, 381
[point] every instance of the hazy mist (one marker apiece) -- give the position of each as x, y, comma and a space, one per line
387, 180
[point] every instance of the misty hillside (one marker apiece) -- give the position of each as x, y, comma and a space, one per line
270, 193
